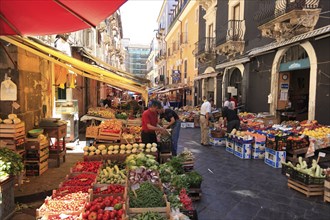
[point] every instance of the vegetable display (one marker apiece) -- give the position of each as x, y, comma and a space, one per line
110, 189
112, 176
87, 166
83, 179
194, 179
10, 163
141, 160
186, 155
141, 175
147, 195
149, 216
120, 149
315, 170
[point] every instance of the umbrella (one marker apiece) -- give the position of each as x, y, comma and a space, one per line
43, 17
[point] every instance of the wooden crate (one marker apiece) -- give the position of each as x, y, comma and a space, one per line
35, 168
12, 130
308, 190
195, 193
109, 136
327, 190
98, 185
164, 211
292, 155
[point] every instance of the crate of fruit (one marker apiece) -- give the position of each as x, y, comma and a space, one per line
297, 142
104, 190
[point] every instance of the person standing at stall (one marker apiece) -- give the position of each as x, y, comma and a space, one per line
116, 101
175, 124
107, 102
204, 120
149, 123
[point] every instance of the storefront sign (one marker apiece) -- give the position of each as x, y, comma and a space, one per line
295, 65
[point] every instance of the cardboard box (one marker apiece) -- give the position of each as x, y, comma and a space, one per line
258, 150
187, 125
217, 141
273, 158
242, 149
230, 145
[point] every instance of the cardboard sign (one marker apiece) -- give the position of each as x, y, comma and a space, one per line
321, 154
108, 209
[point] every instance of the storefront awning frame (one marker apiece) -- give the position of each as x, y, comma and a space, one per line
77, 66
208, 75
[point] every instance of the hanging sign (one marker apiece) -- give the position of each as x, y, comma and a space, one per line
8, 90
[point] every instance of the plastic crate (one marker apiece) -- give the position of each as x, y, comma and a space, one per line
276, 143
307, 179
288, 171
295, 143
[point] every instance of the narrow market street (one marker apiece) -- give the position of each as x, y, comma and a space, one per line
232, 188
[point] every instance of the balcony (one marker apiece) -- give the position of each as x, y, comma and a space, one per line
161, 55
204, 49
233, 43
287, 18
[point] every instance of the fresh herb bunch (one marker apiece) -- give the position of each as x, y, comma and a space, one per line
194, 179
176, 163
166, 172
180, 182
174, 200
148, 195
149, 216
10, 162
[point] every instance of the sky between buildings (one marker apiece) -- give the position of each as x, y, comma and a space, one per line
139, 20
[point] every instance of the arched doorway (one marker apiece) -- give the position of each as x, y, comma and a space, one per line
232, 82
293, 86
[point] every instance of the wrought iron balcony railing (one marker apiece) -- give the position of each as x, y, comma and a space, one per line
235, 32
205, 45
269, 10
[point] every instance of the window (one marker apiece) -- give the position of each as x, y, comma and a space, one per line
196, 15
169, 52
185, 66
185, 38
196, 63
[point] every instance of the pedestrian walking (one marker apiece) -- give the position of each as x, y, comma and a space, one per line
149, 123
204, 120
231, 119
175, 124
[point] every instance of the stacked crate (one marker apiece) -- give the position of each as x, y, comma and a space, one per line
13, 136
36, 157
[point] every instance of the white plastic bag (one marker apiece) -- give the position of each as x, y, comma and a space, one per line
8, 90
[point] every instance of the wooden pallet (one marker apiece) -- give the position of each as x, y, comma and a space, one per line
163, 157
308, 190
109, 136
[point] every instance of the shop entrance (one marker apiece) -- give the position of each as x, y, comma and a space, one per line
293, 87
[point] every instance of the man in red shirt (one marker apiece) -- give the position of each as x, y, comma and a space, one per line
149, 123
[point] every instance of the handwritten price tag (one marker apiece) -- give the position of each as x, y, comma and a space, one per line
321, 154
135, 187
83, 180
108, 209
104, 188
64, 216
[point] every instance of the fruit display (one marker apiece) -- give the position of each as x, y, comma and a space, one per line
122, 115
111, 126
84, 179
12, 119
101, 112
69, 204
63, 191
108, 208
318, 133
243, 116
120, 149
111, 175
87, 166
109, 189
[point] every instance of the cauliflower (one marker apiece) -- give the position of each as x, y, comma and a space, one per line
110, 147
101, 147
129, 146
109, 152
122, 147
149, 146
92, 148
91, 153
97, 152
128, 151
134, 150
85, 153
148, 150
86, 148
115, 152
116, 147
122, 152
135, 145
104, 152
154, 144
153, 149
141, 145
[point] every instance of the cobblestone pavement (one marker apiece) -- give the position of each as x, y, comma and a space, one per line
239, 189
232, 188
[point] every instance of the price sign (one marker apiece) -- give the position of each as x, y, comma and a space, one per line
32, 147
135, 186
321, 154
83, 180
104, 188
108, 208
64, 216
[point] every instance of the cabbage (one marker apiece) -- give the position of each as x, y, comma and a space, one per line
104, 152
149, 145
154, 144
116, 147
128, 151
122, 147
109, 152
141, 145
129, 146
86, 148
101, 147
148, 150
110, 147
92, 148
91, 153
97, 152
115, 152
122, 151
85, 153
134, 150
153, 149
135, 145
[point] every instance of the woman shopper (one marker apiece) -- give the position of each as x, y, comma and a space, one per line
175, 124
230, 118
149, 123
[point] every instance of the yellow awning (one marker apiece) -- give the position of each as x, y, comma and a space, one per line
77, 66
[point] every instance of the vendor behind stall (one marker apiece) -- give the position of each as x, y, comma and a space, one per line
149, 123
230, 118
175, 124
107, 102
133, 106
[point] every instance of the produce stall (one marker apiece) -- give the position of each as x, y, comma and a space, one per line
136, 188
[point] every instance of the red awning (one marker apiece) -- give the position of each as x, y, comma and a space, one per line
43, 17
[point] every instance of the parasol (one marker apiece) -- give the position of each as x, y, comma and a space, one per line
45, 17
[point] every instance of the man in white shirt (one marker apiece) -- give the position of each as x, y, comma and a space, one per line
204, 121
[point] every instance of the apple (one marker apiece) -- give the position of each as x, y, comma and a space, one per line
92, 216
